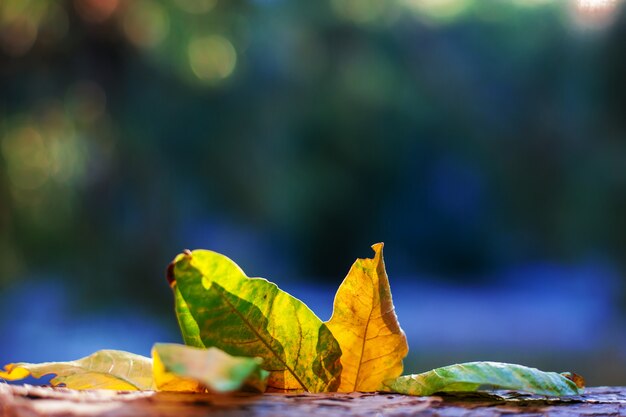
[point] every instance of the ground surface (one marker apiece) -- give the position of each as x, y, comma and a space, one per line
31, 401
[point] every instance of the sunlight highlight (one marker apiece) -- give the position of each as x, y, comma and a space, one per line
596, 4
595, 14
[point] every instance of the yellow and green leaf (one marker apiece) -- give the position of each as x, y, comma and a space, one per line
474, 376
364, 323
105, 369
218, 305
182, 368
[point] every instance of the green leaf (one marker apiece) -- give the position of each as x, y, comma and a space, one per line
105, 369
474, 376
188, 326
180, 368
218, 305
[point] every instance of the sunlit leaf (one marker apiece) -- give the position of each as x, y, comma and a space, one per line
181, 368
186, 322
365, 325
105, 369
474, 376
167, 379
252, 317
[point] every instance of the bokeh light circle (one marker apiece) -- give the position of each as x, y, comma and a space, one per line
211, 58
146, 24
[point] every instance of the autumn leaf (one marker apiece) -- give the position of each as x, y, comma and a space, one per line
105, 369
270, 339
181, 368
218, 305
365, 325
473, 376
173, 368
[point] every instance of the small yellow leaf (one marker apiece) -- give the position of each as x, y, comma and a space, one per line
365, 325
186, 368
105, 369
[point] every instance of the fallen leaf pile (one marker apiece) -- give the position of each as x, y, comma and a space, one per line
245, 333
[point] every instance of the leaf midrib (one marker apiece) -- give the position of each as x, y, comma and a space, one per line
369, 320
257, 334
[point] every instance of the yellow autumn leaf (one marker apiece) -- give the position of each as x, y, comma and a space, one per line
105, 369
365, 325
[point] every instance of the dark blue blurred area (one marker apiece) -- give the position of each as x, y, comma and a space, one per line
483, 142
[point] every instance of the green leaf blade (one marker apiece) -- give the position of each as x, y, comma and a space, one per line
186, 322
212, 368
473, 376
253, 317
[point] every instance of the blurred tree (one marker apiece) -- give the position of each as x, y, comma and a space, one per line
468, 136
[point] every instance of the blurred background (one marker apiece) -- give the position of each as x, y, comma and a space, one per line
483, 141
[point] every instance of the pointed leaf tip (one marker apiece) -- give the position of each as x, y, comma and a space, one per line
378, 247
575, 378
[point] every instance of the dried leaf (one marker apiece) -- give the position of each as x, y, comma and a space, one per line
218, 305
474, 376
181, 368
575, 378
105, 369
365, 325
